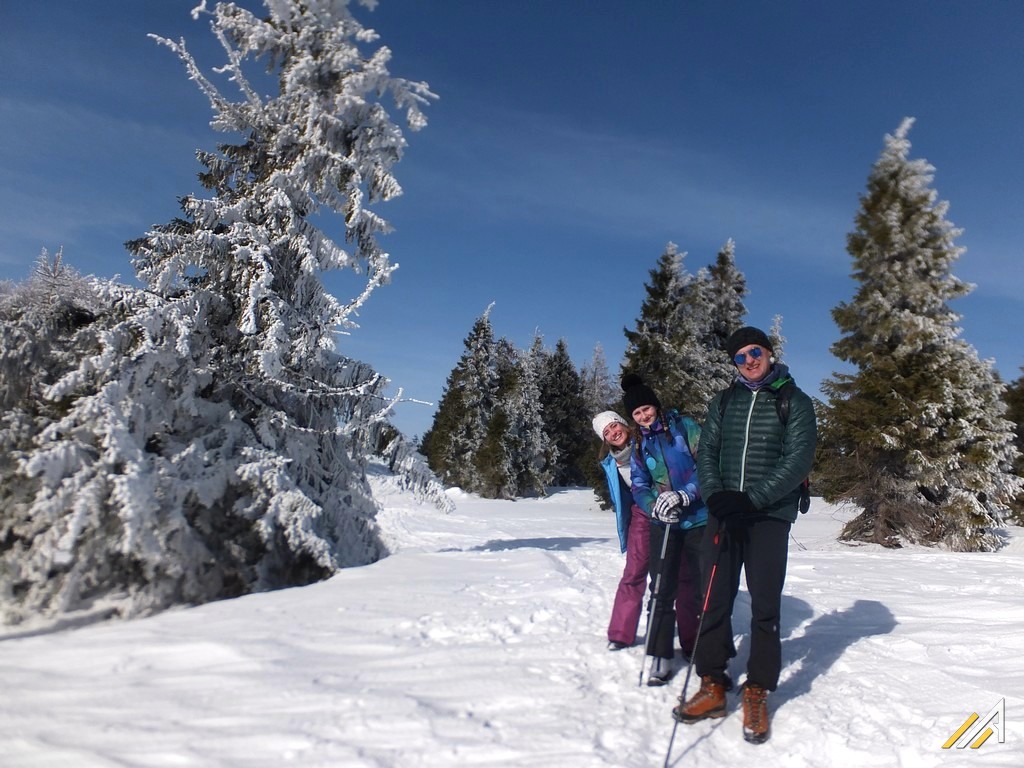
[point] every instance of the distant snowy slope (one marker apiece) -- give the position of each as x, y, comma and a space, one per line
480, 641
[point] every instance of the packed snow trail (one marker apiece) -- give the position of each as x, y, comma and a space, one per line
481, 641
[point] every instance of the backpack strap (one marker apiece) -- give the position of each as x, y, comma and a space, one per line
724, 399
782, 396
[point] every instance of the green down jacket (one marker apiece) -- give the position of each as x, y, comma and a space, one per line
748, 449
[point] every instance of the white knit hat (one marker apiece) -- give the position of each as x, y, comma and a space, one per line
605, 418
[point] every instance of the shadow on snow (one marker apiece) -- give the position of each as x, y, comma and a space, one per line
822, 643
552, 544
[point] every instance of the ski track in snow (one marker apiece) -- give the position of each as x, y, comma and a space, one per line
481, 642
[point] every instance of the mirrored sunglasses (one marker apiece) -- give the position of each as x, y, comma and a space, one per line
754, 354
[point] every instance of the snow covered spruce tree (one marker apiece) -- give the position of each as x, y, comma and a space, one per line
489, 435
777, 339
46, 324
916, 436
700, 369
534, 453
209, 447
683, 324
1014, 399
649, 352
726, 291
599, 393
38, 339
517, 458
493, 462
467, 404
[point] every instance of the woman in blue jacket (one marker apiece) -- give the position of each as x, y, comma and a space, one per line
634, 540
632, 526
663, 479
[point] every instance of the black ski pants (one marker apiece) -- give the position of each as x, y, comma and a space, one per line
683, 548
759, 545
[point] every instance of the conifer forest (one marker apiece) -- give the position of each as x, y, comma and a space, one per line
203, 434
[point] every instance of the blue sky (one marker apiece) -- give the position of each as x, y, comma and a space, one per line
570, 143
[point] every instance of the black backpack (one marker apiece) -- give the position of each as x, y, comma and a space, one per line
782, 396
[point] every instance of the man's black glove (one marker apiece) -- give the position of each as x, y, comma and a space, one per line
727, 504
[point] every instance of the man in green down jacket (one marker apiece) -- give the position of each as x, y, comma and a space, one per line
754, 456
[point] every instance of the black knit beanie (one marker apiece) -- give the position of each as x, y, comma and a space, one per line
744, 337
635, 393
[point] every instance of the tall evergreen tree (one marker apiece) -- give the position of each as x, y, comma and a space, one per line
531, 453
467, 404
726, 293
649, 351
599, 393
47, 324
777, 339
693, 375
1014, 399
206, 444
684, 322
494, 462
566, 419
436, 441
916, 436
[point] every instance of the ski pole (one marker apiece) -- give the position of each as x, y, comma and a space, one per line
700, 624
654, 603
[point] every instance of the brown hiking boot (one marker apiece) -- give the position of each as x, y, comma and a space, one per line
709, 701
755, 714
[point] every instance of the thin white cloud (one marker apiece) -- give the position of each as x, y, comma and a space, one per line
520, 166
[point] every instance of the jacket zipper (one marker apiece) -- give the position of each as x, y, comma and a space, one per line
746, 441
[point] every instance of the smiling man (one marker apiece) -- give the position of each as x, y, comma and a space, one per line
756, 448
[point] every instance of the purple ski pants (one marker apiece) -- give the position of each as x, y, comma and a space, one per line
629, 597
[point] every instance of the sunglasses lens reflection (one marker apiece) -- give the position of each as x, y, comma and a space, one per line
741, 358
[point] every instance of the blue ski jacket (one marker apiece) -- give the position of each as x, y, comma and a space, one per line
622, 498
666, 461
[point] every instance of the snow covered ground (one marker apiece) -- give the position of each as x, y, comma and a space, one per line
482, 642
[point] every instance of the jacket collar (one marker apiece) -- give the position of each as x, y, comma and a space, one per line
775, 378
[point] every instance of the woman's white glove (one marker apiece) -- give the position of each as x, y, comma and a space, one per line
668, 507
